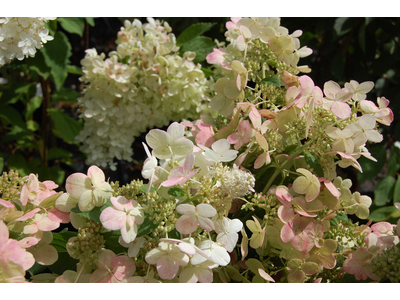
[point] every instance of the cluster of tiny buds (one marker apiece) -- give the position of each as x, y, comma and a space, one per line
345, 234
10, 185
386, 265
87, 242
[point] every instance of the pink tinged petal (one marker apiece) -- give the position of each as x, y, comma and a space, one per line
341, 110
332, 188
29, 261
50, 185
234, 138
6, 203
24, 195
167, 267
187, 224
382, 227
105, 258
77, 184
45, 224
112, 219
297, 276
58, 216
28, 215
173, 181
100, 276
285, 213
123, 267
215, 57
120, 202
265, 275
204, 275
206, 210
13, 251
300, 241
241, 43
189, 163
255, 117
205, 223
187, 248
96, 175
287, 233
28, 242
45, 255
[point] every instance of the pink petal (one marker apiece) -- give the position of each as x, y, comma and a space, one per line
96, 175
29, 215
6, 203
206, 223
287, 233
45, 224
341, 110
28, 242
45, 255
186, 224
167, 267
77, 184
206, 210
120, 202
112, 219
58, 216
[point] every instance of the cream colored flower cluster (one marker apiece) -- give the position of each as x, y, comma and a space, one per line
141, 85
21, 37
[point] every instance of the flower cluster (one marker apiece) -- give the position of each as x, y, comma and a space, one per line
249, 192
141, 85
21, 37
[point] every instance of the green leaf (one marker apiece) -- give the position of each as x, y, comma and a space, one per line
254, 264
32, 105
56, 56
12, 116
54, 173
32, 125
384, 213
342, 216
60, 240
17, 162
38, 65
111, 241
65, 127
384, 190
193, 31
64, 262
334, 221
271, 80
65, 95
58, 153
72, 25
94, 214
370, 168
314, 164
207, 72
396, 192
74, 70
176, 192
201, 45
394, 161
90, 21
146, 227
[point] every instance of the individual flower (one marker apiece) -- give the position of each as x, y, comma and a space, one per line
242, 136
336, 98
307, 184
220, 152
342, 139
193, 216
358, 205
112, 268
383, 114
364, 130
227, 231
179, 175
258, 233
168, 143
198, 273
359, 90
359, 264
168, 258
213, 252
90, 190
124, 215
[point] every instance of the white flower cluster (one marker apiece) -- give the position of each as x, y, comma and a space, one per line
20, 37
141, 85
237, 183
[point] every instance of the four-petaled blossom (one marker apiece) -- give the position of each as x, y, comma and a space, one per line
87, 190
179, 175
227, 231
336, 99
242, 136
257, 238
220, 152
359, 90
307, 184
343, 141
383, 114
124, 215
168, 258
133, 247
172, 142
192, 217
364, 130
112, 268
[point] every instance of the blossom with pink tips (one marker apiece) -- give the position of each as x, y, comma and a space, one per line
112, 268
193, 216
179, 175
124, 215
242, 136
